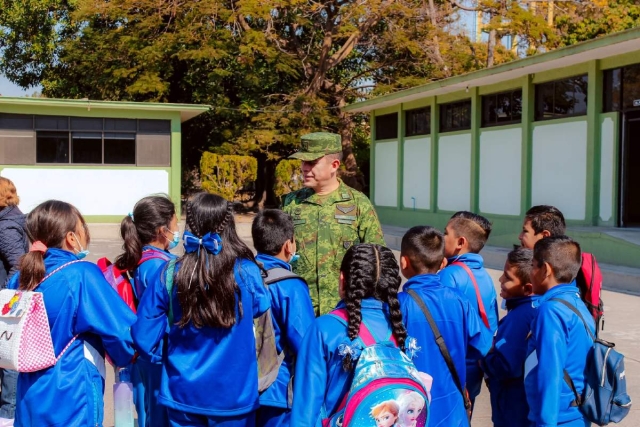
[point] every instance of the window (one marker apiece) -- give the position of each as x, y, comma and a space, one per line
455, 116
418, 122
631, 86
130, 125
83, 123
52, 123
154, 126
502, 108
387, 126
16, 121
562, 98
611, 90
52, 147
86, 147
119, 148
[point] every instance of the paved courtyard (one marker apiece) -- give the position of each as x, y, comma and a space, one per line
622, 326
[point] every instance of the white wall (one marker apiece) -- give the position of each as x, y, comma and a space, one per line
92, 191
454, 172
607, 169
500, 171
559, 175
416, 180
386, 174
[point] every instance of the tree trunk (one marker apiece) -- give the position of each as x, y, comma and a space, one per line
351, 174
491, 47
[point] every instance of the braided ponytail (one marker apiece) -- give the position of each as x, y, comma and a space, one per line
371, 270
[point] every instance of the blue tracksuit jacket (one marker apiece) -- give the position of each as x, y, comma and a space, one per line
504, 365
559, 341
456, 277
79, 301
292, 314
463, 333
146, 376
320, 382
206, 371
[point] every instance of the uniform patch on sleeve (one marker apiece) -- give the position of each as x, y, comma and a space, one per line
299, 221
345, 208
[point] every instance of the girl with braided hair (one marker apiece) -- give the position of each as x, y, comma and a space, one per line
369, 282
201, 329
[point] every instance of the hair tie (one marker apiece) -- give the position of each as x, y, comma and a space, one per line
38, 246
131, 216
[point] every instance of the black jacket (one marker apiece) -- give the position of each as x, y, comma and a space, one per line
13, 241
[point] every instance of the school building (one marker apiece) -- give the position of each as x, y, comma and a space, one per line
101, 156
559, 128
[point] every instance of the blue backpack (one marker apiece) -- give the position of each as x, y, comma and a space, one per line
604, 399
386, 387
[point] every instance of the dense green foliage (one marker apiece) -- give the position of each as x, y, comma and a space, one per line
288, 177
226, 175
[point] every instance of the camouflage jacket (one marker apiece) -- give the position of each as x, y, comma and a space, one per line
324, 230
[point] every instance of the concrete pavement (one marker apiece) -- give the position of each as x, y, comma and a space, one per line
622, 326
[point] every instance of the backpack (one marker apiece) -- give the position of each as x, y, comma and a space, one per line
269, 360
385, 381
604, 399
442, 346
589, 281
119, 279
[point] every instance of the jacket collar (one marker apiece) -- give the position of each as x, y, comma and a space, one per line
472, 260
422, 281
9, 211
367, 304
556, 291
516, 302
55, 257
340, 194
269, 262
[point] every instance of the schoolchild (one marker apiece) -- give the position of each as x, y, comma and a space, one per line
464, 237
291, 309
504, 364
559, 342
149, 232
202, 330
368, 288
539, 222
421, 256
84, 314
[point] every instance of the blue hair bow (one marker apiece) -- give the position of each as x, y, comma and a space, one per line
211, 242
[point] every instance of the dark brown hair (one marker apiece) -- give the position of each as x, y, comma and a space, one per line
423, 245
206, 285
48, 223
546, 217
563, 255
473, 227
149, 215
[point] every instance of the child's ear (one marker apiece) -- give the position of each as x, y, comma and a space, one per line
444, 263
288, 248
462, 243
548, 271
528, 289
546, 233
341, 285
404, 262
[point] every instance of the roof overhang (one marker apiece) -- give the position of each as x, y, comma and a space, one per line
187, 111
604, 47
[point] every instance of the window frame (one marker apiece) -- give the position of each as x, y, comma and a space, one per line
416, 111
451, 106
377, 126
511, 93
556, 116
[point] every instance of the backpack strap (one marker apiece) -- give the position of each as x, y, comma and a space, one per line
278, 274
168, 282
364, 334
152, 254
567, 378
483, 312
442, 346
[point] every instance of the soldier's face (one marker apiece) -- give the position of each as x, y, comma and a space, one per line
319, 172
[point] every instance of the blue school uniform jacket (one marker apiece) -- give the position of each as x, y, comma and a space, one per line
151, 270
504, 364
320, 382
292, 314
79, 301
558, 341
206, 371
463, 334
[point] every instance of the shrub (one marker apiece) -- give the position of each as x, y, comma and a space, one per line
288, 177
226, 175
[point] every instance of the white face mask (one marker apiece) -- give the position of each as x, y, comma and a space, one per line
82, 253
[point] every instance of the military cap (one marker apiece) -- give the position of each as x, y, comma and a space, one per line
318, 144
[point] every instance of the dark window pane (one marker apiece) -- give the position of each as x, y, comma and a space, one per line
503, 107
455, 116
567, 97
418, 122
52, 123
119, 148
154, 126
86, 147
387, 126
631, 86
83, 123
544, 101
488, 110
611, 87
120, 124
52, 147
516, 109
580, 86
16, 121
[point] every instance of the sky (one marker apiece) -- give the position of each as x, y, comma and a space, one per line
9, 89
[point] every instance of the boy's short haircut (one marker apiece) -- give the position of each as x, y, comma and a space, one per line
521, 258
473, 227
270, 230
546, 217
423, 245
563, 255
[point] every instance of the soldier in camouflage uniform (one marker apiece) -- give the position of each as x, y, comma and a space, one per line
329, 217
